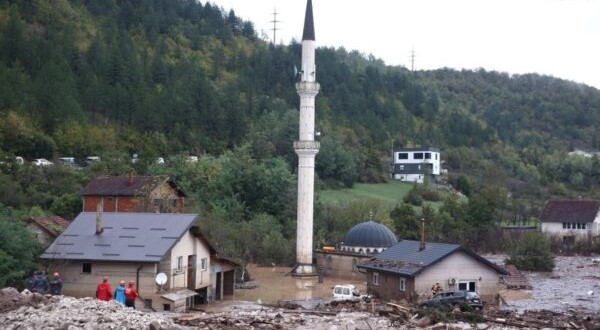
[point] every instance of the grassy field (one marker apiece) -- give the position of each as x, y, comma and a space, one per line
390, 194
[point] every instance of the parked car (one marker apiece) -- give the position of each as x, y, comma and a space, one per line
454, 298
42, 162
91, 159
160, 161
346, 292
69, 161
192, 159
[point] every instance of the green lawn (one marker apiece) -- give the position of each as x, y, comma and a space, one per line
390, 194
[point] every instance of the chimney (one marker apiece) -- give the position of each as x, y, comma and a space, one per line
422, 243
99, 228
130, 177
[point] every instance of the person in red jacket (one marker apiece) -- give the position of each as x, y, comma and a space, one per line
130, 295
104, 291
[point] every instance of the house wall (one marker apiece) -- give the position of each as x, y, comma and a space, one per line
435, 159
409, 177
79, 284
388, 286
459, 266
556, 228
112, 203
188, 245
41, 235
170, 201
340, 265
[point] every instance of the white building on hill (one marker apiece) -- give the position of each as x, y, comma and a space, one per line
413, 164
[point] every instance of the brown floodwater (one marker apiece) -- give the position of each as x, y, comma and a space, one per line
274, 285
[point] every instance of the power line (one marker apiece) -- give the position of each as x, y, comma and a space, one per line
274, 21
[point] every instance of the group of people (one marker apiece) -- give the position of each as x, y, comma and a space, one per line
40, 283
122, 294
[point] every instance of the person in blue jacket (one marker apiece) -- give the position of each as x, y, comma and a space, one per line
120, 293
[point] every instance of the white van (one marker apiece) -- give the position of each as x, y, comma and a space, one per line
345, 292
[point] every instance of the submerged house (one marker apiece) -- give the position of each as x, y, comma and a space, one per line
138, 247
409, 269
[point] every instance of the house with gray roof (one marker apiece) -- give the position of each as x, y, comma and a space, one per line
137, 247
409, 269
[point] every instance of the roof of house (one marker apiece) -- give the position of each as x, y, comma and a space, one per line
417, 149
140, 237
370, 234
121, 186
405, 258
570, 211
53, 225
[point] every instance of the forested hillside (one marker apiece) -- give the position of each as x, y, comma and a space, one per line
178, 77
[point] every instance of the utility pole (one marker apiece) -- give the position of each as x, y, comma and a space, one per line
274, 21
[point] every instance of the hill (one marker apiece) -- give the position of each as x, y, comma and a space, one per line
168, 78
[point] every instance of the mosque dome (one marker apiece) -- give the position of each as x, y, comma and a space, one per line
368, 237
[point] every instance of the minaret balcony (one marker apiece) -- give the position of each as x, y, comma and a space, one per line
308, 87
307, 145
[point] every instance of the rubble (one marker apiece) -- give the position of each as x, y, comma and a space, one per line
34, 311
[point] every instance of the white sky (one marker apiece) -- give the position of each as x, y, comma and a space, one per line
560, 38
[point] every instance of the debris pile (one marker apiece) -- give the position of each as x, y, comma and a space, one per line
34, 311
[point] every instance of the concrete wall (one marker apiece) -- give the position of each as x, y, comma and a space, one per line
340, 265
461, 267
556, 228
187, 245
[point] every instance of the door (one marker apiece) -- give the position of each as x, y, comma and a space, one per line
191, 272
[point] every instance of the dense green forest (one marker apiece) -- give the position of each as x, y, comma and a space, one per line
178, 77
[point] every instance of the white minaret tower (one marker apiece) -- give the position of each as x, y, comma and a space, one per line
306, 148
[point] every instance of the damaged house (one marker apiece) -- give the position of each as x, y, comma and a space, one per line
138, 247
409, 269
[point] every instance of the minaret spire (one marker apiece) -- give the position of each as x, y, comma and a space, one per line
309, 23
306, 148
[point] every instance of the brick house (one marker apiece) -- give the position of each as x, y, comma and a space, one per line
46, 229
129, 193
409, 269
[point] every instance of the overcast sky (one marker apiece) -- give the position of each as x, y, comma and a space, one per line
560, 38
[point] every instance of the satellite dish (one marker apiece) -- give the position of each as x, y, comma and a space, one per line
161, 278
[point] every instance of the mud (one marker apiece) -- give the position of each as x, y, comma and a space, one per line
573, 285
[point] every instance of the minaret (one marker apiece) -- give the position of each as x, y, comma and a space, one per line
306, 148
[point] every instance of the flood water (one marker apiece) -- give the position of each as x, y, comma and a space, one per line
274, 285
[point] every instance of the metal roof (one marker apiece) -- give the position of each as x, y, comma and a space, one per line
309, 25
370, 234
570, 211
144, 237
405, 258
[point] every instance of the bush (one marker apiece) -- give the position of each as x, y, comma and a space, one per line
532, 253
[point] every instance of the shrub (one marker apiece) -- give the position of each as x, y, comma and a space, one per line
532, 253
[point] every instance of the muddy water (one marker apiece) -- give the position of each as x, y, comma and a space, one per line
274, 285
573, 286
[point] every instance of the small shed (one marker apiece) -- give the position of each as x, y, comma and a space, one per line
47, 229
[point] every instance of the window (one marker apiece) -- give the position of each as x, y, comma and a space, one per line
179, 265
402, 284
436, 155
564, 225
579, 225
418, 155
166, 307
203, 263
403, 155
401, 167
376, 279
583, 225
86, 268
466, 286
427, 155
